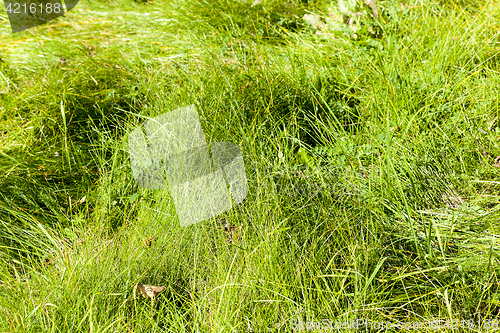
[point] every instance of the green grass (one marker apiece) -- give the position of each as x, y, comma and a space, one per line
372, 190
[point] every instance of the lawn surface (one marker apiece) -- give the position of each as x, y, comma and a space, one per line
369, 154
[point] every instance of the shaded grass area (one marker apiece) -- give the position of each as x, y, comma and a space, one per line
373, 193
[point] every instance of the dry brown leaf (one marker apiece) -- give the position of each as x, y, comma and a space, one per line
232, 233
149, 240
148, 291
82, 200
497, 162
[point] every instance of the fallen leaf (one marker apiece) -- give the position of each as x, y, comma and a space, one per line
232, 233
82, 200
148, 291
497, 162
149, 240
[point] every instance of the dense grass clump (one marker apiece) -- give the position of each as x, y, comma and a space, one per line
370, 154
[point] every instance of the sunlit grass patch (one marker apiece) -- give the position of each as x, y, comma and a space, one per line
369, 159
